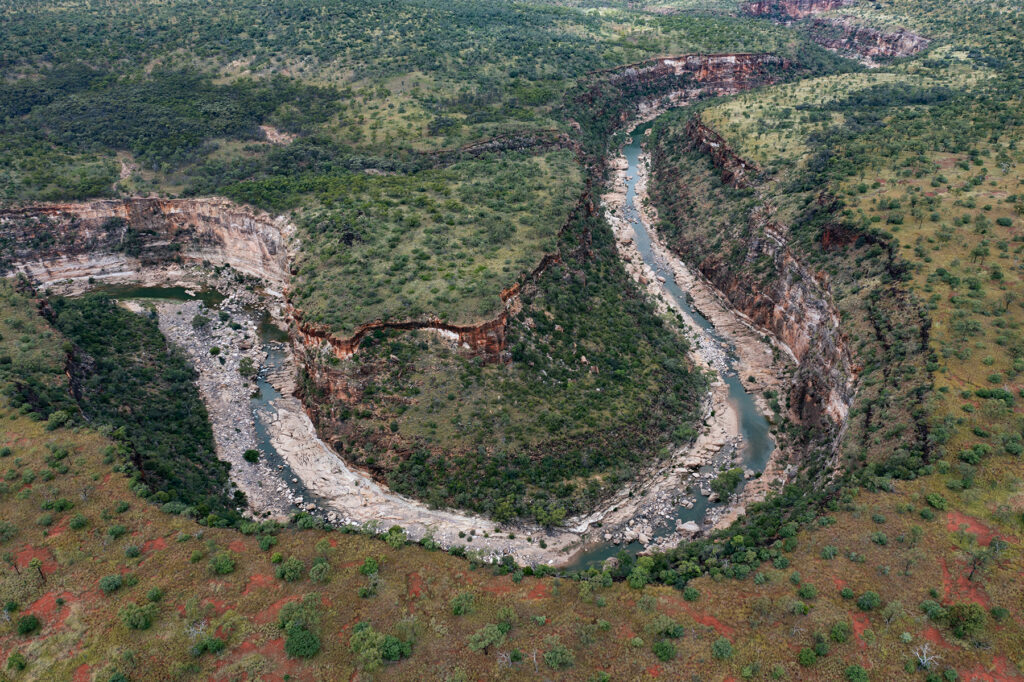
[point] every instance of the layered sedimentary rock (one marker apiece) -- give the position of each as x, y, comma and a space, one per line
626, 93
792, 9
844, 35
736, 171
107, 239
794, 303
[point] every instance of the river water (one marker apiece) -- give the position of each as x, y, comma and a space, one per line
757, 444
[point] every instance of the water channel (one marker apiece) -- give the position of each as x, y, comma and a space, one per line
757, 444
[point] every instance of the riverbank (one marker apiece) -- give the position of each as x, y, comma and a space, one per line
762, 363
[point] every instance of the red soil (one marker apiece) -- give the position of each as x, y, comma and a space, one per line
960, 588
984, 534
281, 667
269, 614
260, 581
654, 671
28, 553
59, 529
237, 546
1000, 671
932, 634
154, 545
415, 583
46, 609
860, 624
838, 582
219, 605
500, 585
81, 673
710, 621
539, 591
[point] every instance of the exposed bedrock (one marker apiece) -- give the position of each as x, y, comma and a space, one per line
792, 9
795, 304
116, 238
844, 35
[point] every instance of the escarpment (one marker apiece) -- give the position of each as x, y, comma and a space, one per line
846, 36
114, 239
762, 278
792, 9
615, 96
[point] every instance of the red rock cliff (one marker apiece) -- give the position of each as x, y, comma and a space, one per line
844, 35
792, 9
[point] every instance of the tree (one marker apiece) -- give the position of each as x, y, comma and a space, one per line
486, 637
37, 564
965, 619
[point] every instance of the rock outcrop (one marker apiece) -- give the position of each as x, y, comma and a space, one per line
111, 239
792, 9
845, 36
736, 171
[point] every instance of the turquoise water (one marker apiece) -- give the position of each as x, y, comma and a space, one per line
757, 445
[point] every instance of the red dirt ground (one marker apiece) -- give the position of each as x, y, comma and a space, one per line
237, 546
499, 585
539, 591
860, 624
154, 545
654, 671
269, 614
932, 634
415, 583
1000, 671
28, 553
838, 582
47, 610
955, 519
960, 588
81, 673
260, 581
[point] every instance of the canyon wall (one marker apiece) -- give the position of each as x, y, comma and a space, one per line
845, 36
792, 9
116, 238
735, 171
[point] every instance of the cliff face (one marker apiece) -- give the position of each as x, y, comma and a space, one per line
792, 9
843, 35
108, 238
796, 306
736, 171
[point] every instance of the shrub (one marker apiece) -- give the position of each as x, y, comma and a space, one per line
965, 619
807, 591
266, 542
933, 610
155, 594
213, 645
721, 649
138, 617
855, 673
28, 625
666, 627
110, 584
300, 642
17, 661
7, 531
132, 551
486, 637
559, 658
370, 566
840, 632
936, 501
320, 571
869, 601
222, 563
806, 657
664, 650
251, 456
462, 603
691, 593
290, 570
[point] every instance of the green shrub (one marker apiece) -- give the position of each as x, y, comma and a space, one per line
222, 563
869, 601
722, 649
559, 658
290, 570
807, 591
840, 632
691, 593
965, 619
17, 661
664, 650
266, 542
462, 603
138, 617
806, 657
855, 673
110, 584
936, 501
155, 594
29, 625
300, 642
486, 637
320, 572
251, 456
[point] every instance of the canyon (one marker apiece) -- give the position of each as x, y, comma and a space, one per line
845, 36
71, 246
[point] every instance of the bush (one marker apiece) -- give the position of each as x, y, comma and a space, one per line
722, 649
965, 619
300, 642
320, 572
266, 542
28, 625
855, 673
806, 657
110, 584
370, 566
462, 603
213, 645
222, 563
559, 658
251, 456
138, 617
691, 593
486, 637
840, 632
155, 594
664, 650
807, 591
936, 501
933, 610
869, 601
290, 570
